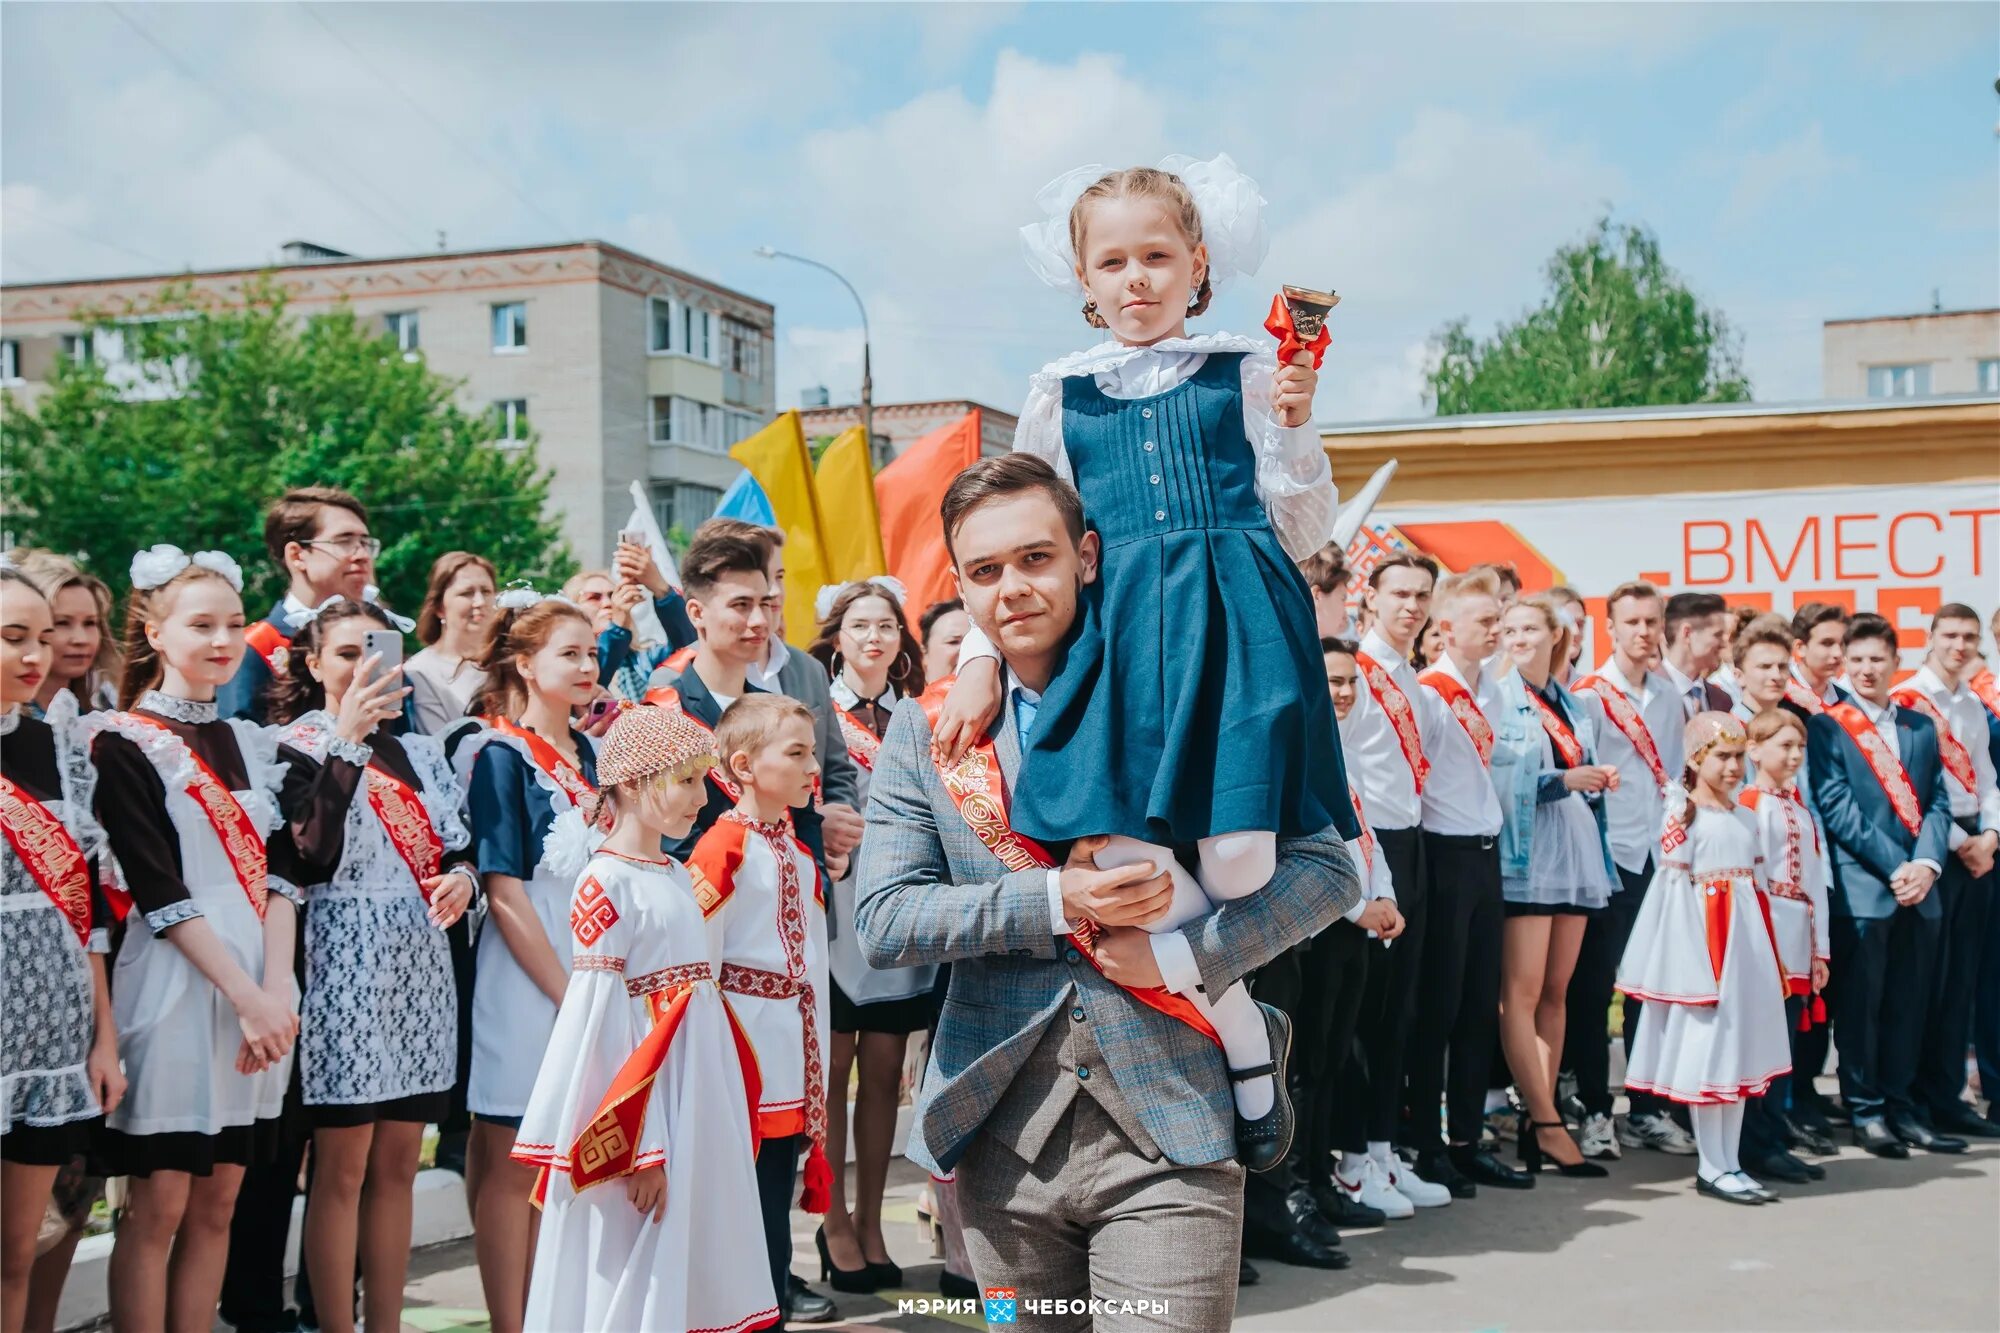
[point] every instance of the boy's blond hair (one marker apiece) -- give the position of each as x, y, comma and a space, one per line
752, 722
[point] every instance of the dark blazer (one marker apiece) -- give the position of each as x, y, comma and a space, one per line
243, 696
1867, 841
700, 705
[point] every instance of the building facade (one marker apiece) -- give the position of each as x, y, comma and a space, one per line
624, 369
897, 425
1911, 356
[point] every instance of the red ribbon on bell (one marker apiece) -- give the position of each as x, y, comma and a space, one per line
1298, 322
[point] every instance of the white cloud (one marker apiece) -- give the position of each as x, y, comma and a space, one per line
1796, 167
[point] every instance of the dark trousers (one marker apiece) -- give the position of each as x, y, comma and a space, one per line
777, 1173
1764, 1129
1370, 1097
1587, 1039
1880, 988
1458, 995
1986, 1002
253, 1283
1967, 902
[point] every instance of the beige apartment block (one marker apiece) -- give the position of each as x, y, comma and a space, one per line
1911, 356
897, 425
625, 370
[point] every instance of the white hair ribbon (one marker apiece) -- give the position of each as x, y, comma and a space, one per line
1229, 202
830, 593
158, 564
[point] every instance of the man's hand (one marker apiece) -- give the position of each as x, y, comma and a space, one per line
1978, 853
1911, 883
1125, 953
1383, 918
841, 827
1128, 896
969, 709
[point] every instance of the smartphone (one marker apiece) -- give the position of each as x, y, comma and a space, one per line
386, 644
631, 537
602, 705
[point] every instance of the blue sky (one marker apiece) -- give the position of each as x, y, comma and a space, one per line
1799, 161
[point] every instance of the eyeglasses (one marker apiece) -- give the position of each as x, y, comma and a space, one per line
351, 545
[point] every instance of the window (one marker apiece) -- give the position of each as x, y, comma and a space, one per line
76, 348
1899, 381
743, 349
402, 326
510, 327
10, 360
677, 327
659, 324
511, 417
683, 506
1989, 376
699, 425
699, 326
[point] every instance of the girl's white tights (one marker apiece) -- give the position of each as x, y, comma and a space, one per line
1233, 865
1717, 1132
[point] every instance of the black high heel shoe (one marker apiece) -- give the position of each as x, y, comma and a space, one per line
857, 1281
885, 1274
1534, 1159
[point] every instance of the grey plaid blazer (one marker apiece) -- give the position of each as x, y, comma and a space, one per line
930, 892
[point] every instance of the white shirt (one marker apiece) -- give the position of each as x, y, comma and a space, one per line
1633, 812
1884, 720
1966, 716
764, 674
1694, 697
1459, 800
1829, 695
1374, 754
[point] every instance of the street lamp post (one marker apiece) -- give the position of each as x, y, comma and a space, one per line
867, 370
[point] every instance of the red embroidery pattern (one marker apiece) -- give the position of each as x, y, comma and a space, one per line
1619, 708
592, 914
1402, 717
1987, 686
1560, 736
862, 743
1883, 762
678, 977
595, 962
50, 852
1465, 708
1957, 759
1798, 695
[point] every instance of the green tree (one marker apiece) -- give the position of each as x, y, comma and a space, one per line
1618, 328
212, 412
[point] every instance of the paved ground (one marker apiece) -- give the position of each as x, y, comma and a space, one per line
1877, 1245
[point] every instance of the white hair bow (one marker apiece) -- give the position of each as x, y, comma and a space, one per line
520, 595
158, 564
370, 597
830, 593
1229, 202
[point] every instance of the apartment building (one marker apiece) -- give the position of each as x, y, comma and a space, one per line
625, 369
1911, 356
897, 424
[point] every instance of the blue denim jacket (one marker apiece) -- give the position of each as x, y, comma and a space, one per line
1522, 783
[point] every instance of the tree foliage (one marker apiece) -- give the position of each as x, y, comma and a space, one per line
212, 412
1618, 328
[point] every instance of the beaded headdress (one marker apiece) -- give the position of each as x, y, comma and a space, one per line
648, 740
1707, 730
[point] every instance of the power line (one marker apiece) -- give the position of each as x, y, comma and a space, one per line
248, 120
498, 172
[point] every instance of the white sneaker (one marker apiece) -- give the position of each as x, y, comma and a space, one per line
1597, 1140
1403, 1178
1656, 1130
1372, 1191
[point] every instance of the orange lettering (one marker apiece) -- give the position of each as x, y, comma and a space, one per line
1895, 561
1841, 546
1760, 600
1753, 531
1978, 547
1689, 551
1912, 632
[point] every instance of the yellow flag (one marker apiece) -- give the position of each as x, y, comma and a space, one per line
846, 483
777, 457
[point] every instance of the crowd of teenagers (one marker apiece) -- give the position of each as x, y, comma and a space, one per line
1221, 929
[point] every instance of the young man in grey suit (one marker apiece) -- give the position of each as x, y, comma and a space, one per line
1092, 1135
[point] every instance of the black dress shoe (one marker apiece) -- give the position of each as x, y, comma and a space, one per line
1814, 1139
803, 1305
1780, 1166
1958, 1118
1482, 1167
1345, 1212
1439, 1167
1873, 1135
1836, 1114
1293, 1248
1308, 1219
1261, 1144
1246, 1276
1919, 1135
954, 1287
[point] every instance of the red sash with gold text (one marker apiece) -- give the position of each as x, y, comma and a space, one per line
1957, 760
976, 788
1401, 716
241, 843
1565, 741
1883, 762
49, 851
1465, 708
1624, 715
400, 807
862, 743
565, 774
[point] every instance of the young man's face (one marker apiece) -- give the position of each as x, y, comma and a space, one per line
1402, 601
1018, 571
1635, 628
1954, 643
1470, 623
1341, 679
1871, 667
339, 557
733, 617
1703, 636
1822, 654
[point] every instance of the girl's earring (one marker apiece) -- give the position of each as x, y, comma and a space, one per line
1194, 294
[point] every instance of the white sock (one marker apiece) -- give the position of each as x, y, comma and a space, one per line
1732, 1134
1236, 865
1379, 1150
1352, 1164
1246, 1043
1714, 1144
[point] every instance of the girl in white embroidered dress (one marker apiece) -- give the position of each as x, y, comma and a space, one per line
1712, 1031
640, 1126
203, 992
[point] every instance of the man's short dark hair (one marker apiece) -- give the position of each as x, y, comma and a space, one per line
938, 611
768, 540
1329, 644
1868, 625
1403, 560
1325, 570
995, 479
713, 554
1954, 611
295, 516
1814, 614
1639, 588
1685, 606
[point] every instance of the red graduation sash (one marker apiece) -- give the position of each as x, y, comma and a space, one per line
50, 852
862, 743
241, 843
1565, 741
1957, 759
666, 696
1624, 715
979, 792
1367, 834
1987, 686
1797, 694
400, 807
1401, 716
1883, 762
271, 643
1463, 707
566, 775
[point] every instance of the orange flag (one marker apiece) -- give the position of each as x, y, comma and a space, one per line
907, 493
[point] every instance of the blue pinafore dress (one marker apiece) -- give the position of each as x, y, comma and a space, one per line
1192, 698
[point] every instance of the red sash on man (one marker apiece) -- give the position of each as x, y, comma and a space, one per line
1565, 741
1957, 759
1798, 695
862, 743
241, 843
1987, 686
1883, 762
977, 789
1463, 707
400, 807
1367, 835
271, 643
666, 696
1624, 715
49, 851
1402, 717
566, 775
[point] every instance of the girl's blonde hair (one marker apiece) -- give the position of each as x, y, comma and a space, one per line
53, 573
143, 668
1772, 721
1163, 188
1552, 615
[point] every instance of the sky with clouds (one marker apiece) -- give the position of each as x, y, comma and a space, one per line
1798, 161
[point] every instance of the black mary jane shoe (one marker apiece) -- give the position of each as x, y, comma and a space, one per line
1747, 1197
856, 1281
1262, 1144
